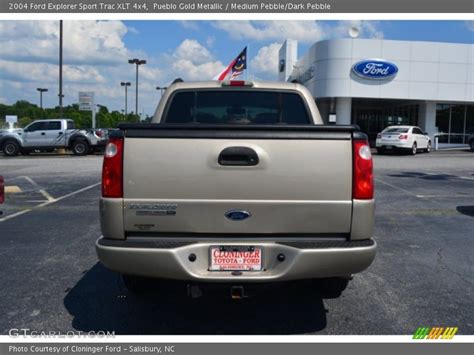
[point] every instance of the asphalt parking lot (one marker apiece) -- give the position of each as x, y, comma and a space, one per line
422, 275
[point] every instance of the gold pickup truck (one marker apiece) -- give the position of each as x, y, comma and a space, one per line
237, 182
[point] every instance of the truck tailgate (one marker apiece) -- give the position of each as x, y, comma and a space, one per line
173, 182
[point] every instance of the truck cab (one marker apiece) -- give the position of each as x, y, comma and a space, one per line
47, 133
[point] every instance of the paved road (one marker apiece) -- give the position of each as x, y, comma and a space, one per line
422, 276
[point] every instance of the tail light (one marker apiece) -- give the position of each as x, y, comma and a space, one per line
403, 136
363, 178
99, 133
112, 169
379, 135
2, 190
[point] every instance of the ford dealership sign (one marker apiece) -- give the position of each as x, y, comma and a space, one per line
375, 69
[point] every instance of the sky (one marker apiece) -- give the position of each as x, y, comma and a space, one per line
96, 53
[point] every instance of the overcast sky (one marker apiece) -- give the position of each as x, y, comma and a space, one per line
96, 52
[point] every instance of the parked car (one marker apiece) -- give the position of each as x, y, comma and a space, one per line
47, 135
237, 182
403, 138
470, 141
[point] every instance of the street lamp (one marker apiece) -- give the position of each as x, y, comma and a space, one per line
94, 123
41, 90
126, 85
137, 63
60, 69
161, 88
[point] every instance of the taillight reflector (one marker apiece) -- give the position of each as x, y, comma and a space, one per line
112, 169
363, 178
403, 136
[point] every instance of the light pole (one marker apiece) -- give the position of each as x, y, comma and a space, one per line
137, 63
41, 90
126, 85
61, 69
97, 122
162, 89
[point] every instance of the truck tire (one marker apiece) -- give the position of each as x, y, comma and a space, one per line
471, 145
11, 148
80, 147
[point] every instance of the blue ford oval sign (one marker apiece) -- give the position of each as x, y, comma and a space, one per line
375, 69
237, 215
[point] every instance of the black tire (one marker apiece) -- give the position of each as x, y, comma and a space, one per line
414, 149
381, 150
471, 145
80, 147
11, 148
332, 287
137, 284
428, 148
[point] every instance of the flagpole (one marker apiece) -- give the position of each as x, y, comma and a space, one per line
247, 76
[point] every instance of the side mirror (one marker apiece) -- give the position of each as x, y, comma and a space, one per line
426, 133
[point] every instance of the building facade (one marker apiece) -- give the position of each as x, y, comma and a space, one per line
376, 83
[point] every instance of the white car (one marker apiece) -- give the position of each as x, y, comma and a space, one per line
408, 138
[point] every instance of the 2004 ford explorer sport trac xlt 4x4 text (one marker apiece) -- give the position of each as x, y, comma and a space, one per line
237, 182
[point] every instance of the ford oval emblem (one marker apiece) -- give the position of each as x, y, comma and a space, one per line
378, 69
237, 215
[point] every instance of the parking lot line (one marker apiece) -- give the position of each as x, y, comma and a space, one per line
396, 187
43, 192
19, 213
47, 195
445, 196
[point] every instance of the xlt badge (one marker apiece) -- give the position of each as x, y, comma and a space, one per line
154, 209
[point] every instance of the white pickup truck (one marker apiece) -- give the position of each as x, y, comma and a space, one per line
47, 135
237, 182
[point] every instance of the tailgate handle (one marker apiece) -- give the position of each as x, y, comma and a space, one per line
238, 156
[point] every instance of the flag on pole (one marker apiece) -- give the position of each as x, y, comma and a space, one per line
236, 67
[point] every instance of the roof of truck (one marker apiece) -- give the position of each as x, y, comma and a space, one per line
218, 84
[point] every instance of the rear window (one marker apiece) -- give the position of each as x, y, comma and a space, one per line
236, 107
396, 130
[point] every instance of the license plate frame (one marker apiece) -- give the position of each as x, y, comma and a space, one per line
242, 266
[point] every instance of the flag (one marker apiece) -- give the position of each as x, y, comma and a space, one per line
236, 67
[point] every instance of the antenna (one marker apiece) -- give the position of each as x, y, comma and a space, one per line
354, 32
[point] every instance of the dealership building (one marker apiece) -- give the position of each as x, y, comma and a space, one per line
375, 83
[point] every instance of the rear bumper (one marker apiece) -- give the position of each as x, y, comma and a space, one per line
169, 258
395, 144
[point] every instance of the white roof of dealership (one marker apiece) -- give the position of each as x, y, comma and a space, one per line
426, 70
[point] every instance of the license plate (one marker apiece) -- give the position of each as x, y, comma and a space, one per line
389, 147
235, 258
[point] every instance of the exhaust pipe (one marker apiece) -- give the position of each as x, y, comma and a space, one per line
237, 292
